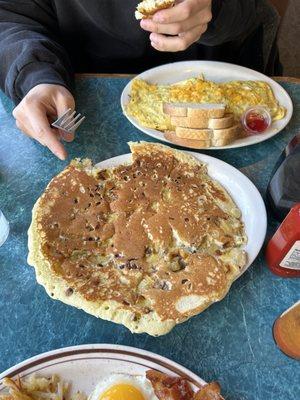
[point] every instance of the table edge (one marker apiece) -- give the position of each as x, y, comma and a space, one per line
110, 75
102, 75
286, 79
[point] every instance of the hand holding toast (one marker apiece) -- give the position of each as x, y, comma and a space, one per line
175, 29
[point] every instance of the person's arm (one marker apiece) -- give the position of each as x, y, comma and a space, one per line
210, 22
30, 51
231, 20
35, 70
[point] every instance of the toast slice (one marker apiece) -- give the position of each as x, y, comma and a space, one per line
203, 138
175, 109
147, 8
190, 133
194, 115
200, 122
221, 123
199, 125
191, 143
210, 110
221, 137
202, 110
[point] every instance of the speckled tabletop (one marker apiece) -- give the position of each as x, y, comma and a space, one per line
231, 341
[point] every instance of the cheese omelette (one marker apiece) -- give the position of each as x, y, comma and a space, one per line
147, 245
146, 100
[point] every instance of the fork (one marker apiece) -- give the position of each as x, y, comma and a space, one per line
68, 122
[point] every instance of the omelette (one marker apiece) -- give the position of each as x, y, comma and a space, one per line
146, 100
146, 244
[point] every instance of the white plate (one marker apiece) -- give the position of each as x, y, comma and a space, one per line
218, 72
241, 189
84, 366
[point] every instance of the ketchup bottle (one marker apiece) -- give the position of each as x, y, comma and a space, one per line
283, 250
283, 195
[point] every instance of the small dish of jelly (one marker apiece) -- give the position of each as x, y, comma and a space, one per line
256, 120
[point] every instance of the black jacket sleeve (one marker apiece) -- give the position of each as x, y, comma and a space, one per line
231, 20
30, 51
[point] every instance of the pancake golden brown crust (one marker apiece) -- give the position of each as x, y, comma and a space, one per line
147, 245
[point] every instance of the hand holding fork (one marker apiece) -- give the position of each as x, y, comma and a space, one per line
42, 104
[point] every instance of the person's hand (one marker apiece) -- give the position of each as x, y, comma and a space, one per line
37, 110
183, 24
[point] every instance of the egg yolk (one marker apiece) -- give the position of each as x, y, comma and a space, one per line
122, 391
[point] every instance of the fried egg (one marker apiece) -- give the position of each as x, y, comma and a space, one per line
123, 387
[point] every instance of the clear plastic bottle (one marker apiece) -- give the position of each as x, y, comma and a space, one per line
4, 228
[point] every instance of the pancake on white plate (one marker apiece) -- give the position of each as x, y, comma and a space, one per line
148, 244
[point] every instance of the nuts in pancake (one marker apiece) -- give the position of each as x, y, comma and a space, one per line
148, 244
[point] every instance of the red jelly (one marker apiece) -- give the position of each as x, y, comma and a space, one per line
256, 120
283, 250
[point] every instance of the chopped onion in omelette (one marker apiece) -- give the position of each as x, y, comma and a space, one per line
146, 100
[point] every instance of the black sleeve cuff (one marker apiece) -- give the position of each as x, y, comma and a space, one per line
35, 73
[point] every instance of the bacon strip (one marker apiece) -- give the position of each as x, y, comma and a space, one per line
211, 391
169, 388
174, 388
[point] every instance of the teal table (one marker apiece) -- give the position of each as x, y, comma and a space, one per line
231, 341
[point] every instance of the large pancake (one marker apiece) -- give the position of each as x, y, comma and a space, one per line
146, 245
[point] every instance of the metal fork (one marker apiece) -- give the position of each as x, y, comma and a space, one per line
68, 122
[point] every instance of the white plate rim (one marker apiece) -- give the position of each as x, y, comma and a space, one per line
23, 368
216, 164
222, 65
